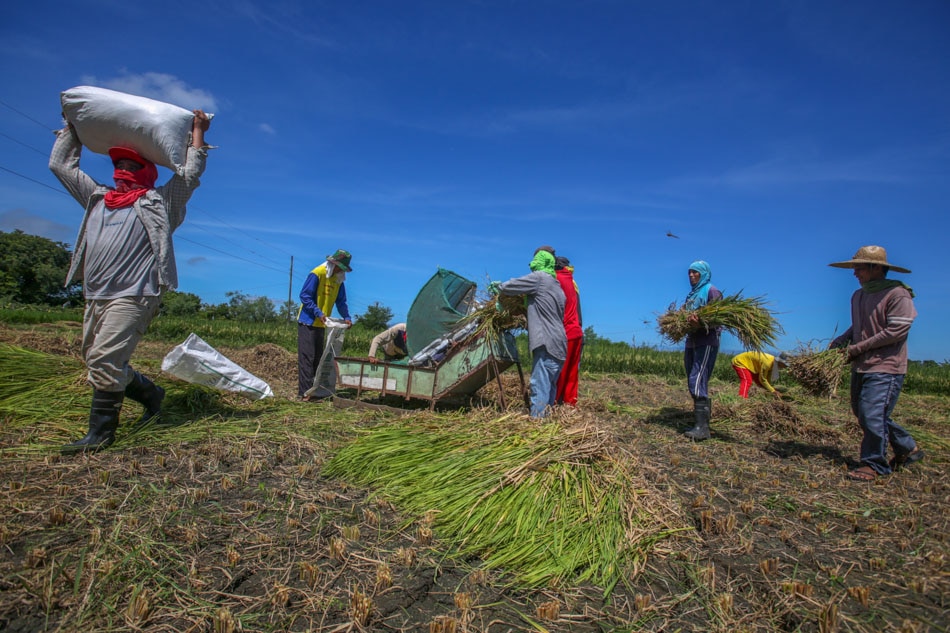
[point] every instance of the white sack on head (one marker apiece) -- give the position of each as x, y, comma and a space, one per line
197, 362
106, 118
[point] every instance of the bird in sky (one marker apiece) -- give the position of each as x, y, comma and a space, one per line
670, 234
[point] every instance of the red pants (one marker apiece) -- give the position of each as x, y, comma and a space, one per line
567, 381
745, 380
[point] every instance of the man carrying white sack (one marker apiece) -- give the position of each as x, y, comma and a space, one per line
125, 258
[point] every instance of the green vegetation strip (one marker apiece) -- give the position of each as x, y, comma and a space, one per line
547, 503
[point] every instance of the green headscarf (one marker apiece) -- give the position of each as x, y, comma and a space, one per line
885, 284
543, 261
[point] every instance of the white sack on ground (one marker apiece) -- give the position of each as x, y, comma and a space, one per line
197, 362
106, 118
324, 380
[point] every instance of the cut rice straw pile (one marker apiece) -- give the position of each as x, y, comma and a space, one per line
546, 503
747, 318
819, 373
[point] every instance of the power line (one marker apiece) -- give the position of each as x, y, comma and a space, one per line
26, 116
57, 190
40, 152
211, 248
197, 226
60, 191
212, 216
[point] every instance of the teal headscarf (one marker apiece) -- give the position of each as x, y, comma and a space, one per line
699, 293
543, 261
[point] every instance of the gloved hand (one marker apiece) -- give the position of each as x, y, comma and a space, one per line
494, 288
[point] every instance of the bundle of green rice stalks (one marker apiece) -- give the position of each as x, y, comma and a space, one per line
36, 385
497, 315
747, 318
819, 373
546, 503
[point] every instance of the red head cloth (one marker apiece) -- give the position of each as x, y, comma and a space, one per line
130, 185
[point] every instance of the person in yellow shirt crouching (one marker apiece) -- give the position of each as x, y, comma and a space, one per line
760, 368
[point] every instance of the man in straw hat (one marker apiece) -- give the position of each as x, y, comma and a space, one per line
322, 289
882, 311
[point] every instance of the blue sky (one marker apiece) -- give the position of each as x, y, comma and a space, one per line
771, 138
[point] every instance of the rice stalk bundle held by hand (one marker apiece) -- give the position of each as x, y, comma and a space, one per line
498, 314
819, 373
747, 318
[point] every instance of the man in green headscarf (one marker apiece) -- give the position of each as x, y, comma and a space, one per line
882, 311
546, 336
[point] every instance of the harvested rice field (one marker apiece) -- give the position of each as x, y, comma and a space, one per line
279, 515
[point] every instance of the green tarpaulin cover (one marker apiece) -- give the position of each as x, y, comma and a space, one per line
444, 300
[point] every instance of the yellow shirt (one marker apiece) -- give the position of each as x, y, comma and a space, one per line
760, 365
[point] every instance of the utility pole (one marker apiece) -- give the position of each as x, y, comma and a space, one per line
290, 290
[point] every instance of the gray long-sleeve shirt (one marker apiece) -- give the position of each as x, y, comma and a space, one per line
545, 311
161, 210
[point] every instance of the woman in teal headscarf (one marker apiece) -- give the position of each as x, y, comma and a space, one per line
702, 347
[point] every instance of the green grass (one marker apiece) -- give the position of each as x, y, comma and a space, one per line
600, 356
39, 314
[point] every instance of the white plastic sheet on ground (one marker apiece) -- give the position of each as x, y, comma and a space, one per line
197, 362
324, 381
104, 118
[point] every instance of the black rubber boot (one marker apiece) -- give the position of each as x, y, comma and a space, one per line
103, 421
146, 393
702, 411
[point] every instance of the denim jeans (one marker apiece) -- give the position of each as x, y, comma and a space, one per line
873, 397
544, 372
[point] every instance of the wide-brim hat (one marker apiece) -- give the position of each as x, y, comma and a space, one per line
341, 258
870, 255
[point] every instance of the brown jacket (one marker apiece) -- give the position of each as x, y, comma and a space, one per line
880, 323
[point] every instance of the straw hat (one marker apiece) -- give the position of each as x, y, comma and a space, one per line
870, 255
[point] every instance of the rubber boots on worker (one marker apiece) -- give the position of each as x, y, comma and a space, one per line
103, 421
702, 411
146, 393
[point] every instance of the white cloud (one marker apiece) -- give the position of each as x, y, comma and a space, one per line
266, 128
159, 86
